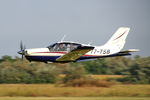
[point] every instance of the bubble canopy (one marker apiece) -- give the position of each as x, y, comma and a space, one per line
63, 46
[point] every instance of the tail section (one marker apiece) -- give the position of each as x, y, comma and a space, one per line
118, 40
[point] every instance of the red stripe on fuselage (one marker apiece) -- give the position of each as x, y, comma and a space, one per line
52, 52
66, 53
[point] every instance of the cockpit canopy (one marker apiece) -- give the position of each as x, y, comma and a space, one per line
63, 46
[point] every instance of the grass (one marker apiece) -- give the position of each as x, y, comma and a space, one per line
48, 90
74, 98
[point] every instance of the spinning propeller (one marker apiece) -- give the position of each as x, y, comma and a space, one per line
22, 50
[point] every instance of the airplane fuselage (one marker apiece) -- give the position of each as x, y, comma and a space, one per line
45, 55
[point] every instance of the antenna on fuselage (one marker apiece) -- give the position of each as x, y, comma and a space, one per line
62, 39
90, 42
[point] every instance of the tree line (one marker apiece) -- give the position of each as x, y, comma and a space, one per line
14, 70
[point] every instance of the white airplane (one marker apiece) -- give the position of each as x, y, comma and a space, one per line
66, 51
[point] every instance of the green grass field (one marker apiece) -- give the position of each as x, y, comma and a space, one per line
49, 90
74, 98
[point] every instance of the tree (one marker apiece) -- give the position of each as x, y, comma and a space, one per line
139, 71
96, 66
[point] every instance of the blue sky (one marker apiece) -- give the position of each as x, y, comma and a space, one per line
38, 23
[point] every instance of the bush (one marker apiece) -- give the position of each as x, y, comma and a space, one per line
26, 72
76, 76
88, 82
72, 73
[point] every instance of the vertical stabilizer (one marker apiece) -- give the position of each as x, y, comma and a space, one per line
119, 38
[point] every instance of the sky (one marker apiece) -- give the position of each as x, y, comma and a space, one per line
39, 23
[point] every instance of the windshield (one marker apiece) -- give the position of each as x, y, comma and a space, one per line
63, 47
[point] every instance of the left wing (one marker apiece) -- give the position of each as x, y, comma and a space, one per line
75, 54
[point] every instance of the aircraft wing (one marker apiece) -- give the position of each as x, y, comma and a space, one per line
75, 54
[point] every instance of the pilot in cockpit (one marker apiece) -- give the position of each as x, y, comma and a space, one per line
62, 47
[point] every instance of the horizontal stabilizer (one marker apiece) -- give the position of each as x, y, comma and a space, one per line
128, 51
